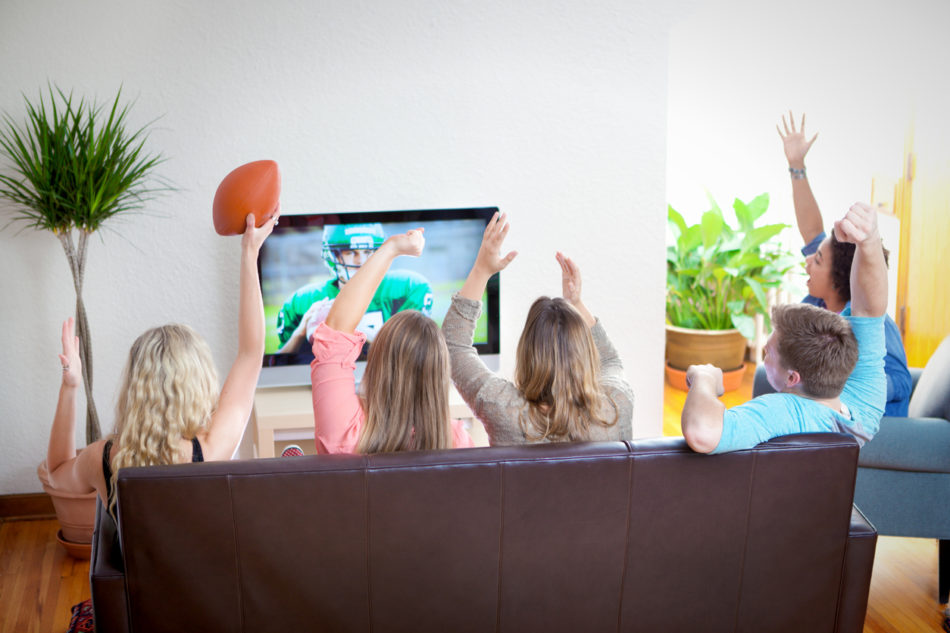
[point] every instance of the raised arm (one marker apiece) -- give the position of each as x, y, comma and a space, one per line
66, 470
62, 437
237, 396
702, 416
868, 269
807, 213
571, 287
489, 259
355, 295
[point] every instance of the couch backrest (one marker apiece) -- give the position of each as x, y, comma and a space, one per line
931, 396
641, 536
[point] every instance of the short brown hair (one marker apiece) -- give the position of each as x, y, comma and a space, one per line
818, 344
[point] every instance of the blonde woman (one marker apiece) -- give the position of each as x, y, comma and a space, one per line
569, 383
405, 402
169, 407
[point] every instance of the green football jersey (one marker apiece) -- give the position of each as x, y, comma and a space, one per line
399, 290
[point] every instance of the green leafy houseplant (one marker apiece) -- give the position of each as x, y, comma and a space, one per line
72, 166
717, 276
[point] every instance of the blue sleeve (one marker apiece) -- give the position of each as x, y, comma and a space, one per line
812, 247
759, 420
899, 383
865, 391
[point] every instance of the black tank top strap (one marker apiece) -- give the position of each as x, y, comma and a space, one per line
107, 473
196, 454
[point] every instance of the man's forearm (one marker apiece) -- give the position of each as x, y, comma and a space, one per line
869, 278
702, 418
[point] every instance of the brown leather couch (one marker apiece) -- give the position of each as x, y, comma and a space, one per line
640, 536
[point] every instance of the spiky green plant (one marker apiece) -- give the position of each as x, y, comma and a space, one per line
717, 276
72, 166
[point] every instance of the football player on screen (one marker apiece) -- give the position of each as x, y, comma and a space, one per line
345, 248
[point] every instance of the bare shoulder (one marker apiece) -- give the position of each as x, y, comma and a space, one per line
88, 468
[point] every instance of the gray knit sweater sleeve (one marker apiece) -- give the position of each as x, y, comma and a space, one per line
613, 380
495, 401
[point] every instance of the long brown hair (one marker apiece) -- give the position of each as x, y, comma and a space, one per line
558, 373
405, 388
169, 391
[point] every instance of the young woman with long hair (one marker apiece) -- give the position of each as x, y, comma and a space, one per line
404, 401
569, 383
169, 409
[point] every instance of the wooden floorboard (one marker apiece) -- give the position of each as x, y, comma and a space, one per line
39, 582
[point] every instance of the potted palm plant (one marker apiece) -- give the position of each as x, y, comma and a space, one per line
718, 277
72, 166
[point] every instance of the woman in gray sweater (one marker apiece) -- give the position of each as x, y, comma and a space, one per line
569, 383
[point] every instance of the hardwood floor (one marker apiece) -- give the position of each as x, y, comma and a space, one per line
39, 582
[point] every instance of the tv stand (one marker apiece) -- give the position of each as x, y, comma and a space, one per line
286, 413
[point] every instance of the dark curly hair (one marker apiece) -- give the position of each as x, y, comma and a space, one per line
842, 254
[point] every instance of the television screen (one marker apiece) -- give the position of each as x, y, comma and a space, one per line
308, 256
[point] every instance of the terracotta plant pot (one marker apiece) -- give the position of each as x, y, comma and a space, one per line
731, 380
80, 551
76, 512
723, 348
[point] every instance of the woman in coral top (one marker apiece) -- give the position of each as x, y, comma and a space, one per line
404, 399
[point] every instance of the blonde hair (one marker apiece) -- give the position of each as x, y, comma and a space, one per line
406, 387
557, 372
169, 390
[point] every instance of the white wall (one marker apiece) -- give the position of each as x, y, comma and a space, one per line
861, 70
553, 112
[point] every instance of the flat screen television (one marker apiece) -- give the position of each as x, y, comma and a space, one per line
302, 262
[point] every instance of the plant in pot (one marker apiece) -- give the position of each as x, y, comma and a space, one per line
717, 280
72, 166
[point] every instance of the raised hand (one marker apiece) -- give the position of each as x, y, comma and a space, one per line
795, 142
409, 243
489, 259
72, 365
858, 225
570, 279
254, 236
706, 372
571, 287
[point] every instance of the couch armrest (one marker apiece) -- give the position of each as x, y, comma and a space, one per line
856, 574
107, 576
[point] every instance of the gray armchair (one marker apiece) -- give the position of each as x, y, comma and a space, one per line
903, 482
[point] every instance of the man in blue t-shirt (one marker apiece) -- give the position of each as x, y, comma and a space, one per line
828, 264
828, 369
